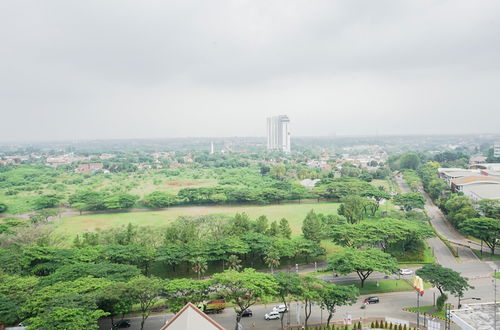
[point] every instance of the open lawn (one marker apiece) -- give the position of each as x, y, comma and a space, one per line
383, 286
293, 212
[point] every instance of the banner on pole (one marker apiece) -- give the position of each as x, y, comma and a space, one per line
418, 285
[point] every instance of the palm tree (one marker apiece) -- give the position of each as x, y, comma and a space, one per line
234, 263
272, 260
199, 266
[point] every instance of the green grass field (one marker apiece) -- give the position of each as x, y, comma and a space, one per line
386, 286
293, 212
383, 286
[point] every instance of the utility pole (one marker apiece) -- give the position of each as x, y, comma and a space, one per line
495, 301
418, 310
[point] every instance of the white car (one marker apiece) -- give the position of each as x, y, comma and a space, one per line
280, 309
272, 316
405, 271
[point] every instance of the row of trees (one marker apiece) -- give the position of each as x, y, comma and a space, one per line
79, 303
459, 209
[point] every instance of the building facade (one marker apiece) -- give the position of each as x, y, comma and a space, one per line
278, 134
496, 149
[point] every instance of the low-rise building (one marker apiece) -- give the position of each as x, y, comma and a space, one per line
477, 192
89, 168
191, 317
476, 316
449, 174
458, 184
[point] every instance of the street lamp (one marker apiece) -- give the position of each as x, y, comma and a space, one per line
461, 299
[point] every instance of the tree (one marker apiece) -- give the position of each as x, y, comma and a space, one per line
73, 271
362, 262
181, 291
490, 208
353, 208
3, 207
288, 285
116, 300
409, 161
337, 295
284, 228
145, 291
79, 296
273, 230
378, 195
436, 188
272, 259
310, 290
486, 229
409, 201
200, 266
62, 318
46, 201
245, 288
311, 227
158, 199
260, 225
233, 263
43, 215
444, 279
14, 292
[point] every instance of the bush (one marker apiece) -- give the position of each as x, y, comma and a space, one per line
440, 301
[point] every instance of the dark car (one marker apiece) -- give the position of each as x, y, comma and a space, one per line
247, 312
123, 324
372, 300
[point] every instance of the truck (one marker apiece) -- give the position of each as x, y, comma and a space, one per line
213, 306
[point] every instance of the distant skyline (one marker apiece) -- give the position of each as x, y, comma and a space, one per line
152, 69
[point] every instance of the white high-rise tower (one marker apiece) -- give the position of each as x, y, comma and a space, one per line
278, 136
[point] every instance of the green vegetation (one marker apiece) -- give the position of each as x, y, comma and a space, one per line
412, 179
426, 309
373, 287
294, 213
486, 256
444, 279
214, 219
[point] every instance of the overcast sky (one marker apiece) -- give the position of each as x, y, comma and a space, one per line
145, 69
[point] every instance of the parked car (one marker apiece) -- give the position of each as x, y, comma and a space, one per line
280, 309
372, 300
272, 316
405, 271
247, 312
123, 324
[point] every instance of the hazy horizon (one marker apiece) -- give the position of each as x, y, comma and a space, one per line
150, 70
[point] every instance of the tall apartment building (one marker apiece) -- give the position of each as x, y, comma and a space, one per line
278, 136
496, 149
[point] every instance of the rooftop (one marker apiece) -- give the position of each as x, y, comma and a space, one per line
191, 317
483, 190
474, 179
476, 316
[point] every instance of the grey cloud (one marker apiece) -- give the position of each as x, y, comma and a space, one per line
193, 68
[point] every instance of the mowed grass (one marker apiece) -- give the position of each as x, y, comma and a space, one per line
293, 212
385, 286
